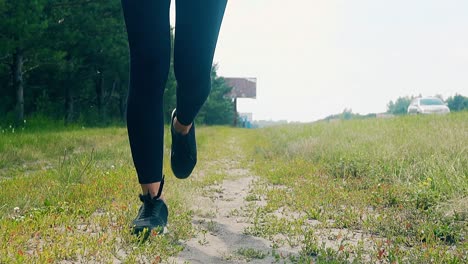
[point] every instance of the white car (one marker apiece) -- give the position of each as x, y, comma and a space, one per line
427, 105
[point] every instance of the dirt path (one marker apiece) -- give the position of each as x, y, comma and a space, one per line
220, 224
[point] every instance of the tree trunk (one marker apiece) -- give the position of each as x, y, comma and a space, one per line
69, 100
99, 95
17, 71
123, 105
115, 85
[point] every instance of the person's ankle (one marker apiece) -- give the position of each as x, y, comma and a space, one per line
151, 188
181, 129
154, 195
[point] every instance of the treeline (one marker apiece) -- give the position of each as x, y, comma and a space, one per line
400, 106
68, 60
348, 114
456, 103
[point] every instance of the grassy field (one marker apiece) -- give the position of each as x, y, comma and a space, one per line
401, 183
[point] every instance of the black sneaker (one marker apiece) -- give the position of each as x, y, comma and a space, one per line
151, 216
183, 151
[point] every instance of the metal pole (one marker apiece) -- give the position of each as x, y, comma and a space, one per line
235, 112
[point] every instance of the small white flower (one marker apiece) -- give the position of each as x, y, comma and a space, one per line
16, 209
112, 167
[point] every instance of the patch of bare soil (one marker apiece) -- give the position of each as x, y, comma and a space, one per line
220, 222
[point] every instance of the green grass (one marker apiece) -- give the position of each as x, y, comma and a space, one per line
403, 180
251, 253
70, 194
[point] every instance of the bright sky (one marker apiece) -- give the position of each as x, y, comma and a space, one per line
314, 58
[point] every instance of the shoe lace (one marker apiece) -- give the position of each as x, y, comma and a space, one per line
147, 210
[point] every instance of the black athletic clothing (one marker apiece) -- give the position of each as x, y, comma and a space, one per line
196, 33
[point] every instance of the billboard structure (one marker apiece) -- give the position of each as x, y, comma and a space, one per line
241, 88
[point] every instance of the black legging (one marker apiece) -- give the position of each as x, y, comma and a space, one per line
196, 33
